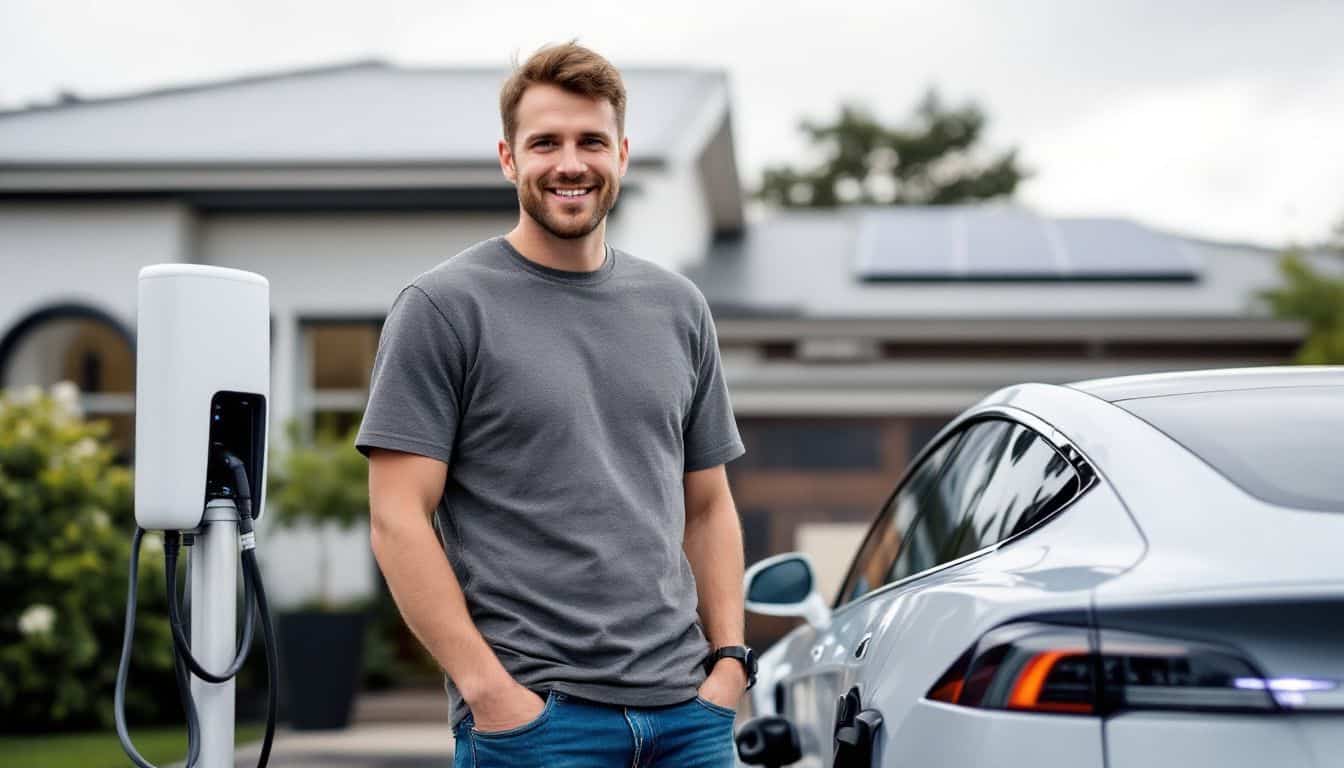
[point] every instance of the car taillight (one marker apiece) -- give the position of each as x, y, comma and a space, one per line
1047, 668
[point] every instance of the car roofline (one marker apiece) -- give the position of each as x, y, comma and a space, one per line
1190, 382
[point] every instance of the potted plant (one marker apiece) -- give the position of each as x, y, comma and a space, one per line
321, 483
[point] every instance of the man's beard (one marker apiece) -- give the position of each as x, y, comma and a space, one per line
536, 203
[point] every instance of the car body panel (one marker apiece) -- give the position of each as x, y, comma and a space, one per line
936, 734
1180, 740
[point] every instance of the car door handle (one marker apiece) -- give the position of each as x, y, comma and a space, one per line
817, 651
862, 649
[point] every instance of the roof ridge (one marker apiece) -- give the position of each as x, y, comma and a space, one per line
205, 85
323, 69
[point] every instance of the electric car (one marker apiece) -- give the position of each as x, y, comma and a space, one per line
1141, 571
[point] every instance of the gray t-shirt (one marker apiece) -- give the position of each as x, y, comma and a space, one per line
568, 406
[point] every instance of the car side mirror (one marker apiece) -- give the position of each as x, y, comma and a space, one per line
785, 585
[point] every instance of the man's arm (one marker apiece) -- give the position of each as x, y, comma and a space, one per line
713, 545
404, 489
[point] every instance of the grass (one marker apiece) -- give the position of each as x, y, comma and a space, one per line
160, 746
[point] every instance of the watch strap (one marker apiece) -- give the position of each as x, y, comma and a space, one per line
743, 654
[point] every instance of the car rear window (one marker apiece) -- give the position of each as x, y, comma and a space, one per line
1283, 444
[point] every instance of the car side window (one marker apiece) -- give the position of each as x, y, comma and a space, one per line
1039, 481
941, 530
1011, 486
873, 562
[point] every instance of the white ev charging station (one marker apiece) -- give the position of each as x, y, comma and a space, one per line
202, 387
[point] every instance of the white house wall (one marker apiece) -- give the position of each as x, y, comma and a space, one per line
666, 220
87, 254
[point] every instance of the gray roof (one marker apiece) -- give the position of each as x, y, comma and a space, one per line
362, 113
807, 264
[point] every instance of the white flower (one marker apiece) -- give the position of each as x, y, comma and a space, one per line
37, 620
152, 544
66, 395
100, 519
25, 430
86, 448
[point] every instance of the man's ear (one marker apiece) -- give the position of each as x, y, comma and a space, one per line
625, 155
506, 163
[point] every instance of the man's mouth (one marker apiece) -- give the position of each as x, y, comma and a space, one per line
570, 194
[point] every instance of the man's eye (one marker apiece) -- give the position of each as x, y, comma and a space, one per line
542, 143
595, 142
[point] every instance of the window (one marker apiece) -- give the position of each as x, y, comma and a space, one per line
339, 359
990, 481
871, 566
84, 347
938, 533
1025, 480
1281, 444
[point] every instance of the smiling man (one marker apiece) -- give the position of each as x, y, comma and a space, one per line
557, 407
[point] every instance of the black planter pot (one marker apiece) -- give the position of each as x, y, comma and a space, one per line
321, 656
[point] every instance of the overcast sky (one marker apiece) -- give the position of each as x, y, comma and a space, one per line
1222, 118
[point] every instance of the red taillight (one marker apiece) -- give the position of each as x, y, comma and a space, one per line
1029, 689
1047, 668
948, 687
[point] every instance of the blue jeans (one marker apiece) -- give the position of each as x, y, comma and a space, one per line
575, 733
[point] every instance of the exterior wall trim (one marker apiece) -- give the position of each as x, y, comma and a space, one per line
999, 328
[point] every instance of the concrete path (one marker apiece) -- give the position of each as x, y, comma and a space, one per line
396, 729
371, 745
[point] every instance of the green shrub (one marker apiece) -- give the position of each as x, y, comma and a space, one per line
65, 528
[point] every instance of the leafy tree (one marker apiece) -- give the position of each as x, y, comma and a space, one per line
932, 160
1315, 298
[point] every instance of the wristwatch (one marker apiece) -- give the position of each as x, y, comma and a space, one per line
744, 655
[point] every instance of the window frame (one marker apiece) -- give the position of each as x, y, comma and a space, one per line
310, 401
1088, 478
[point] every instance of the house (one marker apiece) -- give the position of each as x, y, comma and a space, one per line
848, 336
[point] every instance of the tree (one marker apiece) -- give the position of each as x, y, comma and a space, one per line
1315, 298
932, 161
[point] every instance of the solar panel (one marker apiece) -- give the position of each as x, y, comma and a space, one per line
1101, 248
1002, 243
925, 244
1008, 243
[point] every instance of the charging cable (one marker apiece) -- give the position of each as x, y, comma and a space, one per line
183, 662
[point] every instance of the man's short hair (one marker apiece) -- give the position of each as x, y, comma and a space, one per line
570, 66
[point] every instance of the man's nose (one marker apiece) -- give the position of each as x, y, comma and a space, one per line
571, 164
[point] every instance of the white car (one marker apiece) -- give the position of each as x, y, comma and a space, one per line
1144, 571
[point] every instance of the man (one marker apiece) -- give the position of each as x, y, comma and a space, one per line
558, 405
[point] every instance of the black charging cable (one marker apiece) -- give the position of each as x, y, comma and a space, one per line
172, 544
254, 603
251, 572
123, 672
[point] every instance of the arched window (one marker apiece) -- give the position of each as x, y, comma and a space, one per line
82, 345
